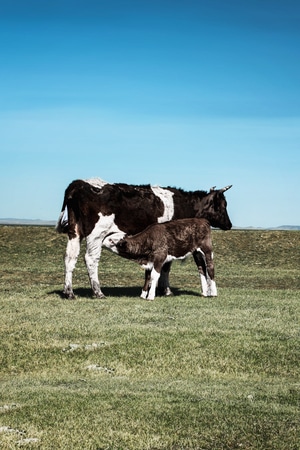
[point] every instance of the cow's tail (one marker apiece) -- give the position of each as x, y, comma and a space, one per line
68, 218
62, 223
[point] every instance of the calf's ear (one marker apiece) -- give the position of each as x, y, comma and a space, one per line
121, 244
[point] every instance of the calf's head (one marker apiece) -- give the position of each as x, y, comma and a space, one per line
122, 247
121, 244
132, 247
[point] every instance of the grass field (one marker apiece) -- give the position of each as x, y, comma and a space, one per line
179, 373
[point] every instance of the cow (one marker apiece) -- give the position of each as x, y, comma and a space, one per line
97, 211
163, 242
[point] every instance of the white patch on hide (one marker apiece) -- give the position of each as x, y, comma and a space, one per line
106, 233
72, 252
204, 285
104, 227
213, 289
96, 182
154, 279
170, 258
166, 197
148, 266
73, 248
94, 242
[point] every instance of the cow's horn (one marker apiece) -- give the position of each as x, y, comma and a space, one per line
226, 188
212, 189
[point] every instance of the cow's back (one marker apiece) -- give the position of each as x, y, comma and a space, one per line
134, 207
131, 208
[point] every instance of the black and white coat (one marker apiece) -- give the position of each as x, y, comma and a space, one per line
97, 211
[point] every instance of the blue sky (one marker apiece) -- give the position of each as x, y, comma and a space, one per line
183, 93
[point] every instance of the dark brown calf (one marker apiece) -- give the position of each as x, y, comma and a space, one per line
164, 242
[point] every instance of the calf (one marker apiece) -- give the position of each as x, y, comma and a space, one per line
164, 242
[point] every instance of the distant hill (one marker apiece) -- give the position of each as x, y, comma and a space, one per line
27, 222
287, 227
10, 221
281, 227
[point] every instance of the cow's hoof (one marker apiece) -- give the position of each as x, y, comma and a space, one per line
100, 295
168, 292
69, 295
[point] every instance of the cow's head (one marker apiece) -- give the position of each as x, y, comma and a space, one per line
213, 208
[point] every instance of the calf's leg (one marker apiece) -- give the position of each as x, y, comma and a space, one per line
204, 262
154, 276
212, 288
163, 282
201, 265
147, 284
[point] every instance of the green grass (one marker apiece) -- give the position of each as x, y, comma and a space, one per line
178, 373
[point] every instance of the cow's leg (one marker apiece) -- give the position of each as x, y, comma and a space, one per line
154, 276
163, 282
92, 257
147, 284
72, 252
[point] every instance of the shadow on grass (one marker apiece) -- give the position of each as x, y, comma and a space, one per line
135, 291
124, 291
